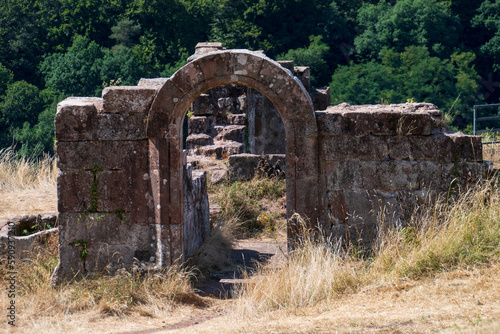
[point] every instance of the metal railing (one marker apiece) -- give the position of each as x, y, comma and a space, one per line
490, 118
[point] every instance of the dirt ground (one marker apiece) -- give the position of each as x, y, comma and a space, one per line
465, 301
462, 301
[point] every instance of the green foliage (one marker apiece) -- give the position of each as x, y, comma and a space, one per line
71, 47
125, 31
6, 78
121, 63
489, 18
412, 74
21, 105
170, 69
84, 245
76, 72
240, 200
312, 56
276, 26
406, 23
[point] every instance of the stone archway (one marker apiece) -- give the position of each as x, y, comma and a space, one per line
164, 131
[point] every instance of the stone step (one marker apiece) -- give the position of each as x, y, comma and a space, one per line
201, 124
196, 140
221, 149
230, 133
237, 119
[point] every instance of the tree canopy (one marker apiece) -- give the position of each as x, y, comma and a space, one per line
368, 51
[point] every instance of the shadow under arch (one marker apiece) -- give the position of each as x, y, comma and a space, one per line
164, 131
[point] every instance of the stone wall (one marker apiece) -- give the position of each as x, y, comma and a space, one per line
105, 197
384, 160
122, 187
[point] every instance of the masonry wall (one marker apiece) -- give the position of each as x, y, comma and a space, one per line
105, 202
346, 165
385, 160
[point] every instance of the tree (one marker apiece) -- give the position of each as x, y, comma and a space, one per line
414, 74
277, 26
22, 38
488, 17
121, 63
125, 31
22, 104
6, 77
312, 56
406, 23
76, 72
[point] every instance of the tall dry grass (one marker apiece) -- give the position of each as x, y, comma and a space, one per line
128, 292
20, 172
316, 270
462, 234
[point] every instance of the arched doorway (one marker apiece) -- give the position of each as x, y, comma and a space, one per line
164, 130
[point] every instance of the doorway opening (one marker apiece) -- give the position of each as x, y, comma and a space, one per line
235, 136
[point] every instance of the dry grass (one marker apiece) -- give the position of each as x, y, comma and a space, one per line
143, 293
492, 153
27, 186
214, 253
447, 237
22, 173
316, 270
440, 272
257, 206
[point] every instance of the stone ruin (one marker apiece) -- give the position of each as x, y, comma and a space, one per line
125, 193
234, 119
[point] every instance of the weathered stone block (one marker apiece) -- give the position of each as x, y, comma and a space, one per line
467, 148
366, 123
108, 258
232, 132
205, 48
356, 148
75, 118
203, 105
105, 154
152, 82
399, 147
196, 140
128, 99
73, 191
389, 175
121, 127
277, 78
304, 168
242, 166
343, 175
330, 123
382, 120
188, 76
215, 65
434, 148
201, 125
70, 264
237, 119
461, 174
196, 210
321, 98
304, 75
176, 242
288, 64
247, 63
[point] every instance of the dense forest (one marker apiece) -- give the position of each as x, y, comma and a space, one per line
368, 51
